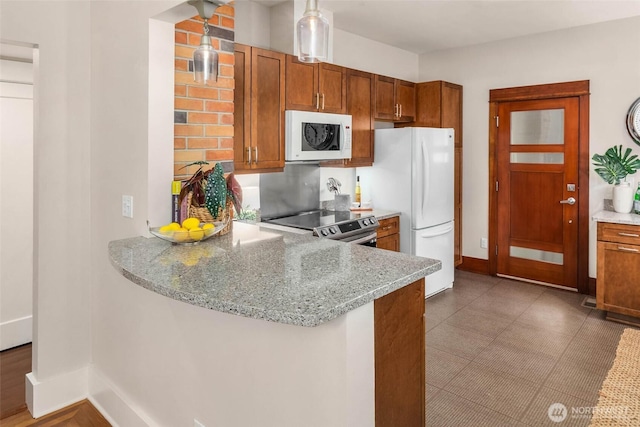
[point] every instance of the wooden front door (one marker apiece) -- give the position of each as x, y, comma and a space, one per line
537, 190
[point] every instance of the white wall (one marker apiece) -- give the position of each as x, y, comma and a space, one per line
16, 202
599, 53
353, 51
61, 183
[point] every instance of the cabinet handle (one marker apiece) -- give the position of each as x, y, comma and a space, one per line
628, 234
249, 153
400, 111
256, 155
395, 110
323, 101
386, 228
317, 101
622, 248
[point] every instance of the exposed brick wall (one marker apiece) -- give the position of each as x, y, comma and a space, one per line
203, 118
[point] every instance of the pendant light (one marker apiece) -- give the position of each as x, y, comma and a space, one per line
313, 34
205, 58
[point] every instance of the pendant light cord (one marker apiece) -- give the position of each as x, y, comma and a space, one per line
206, 27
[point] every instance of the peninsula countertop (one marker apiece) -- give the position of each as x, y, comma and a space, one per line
268, 274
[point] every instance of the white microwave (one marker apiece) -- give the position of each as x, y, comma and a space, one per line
313, 136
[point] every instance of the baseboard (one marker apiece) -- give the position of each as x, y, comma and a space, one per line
474, 265
16, 332
44, 397
116, 408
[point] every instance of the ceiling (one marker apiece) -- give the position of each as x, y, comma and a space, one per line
421, 26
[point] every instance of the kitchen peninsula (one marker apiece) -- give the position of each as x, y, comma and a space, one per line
328, 333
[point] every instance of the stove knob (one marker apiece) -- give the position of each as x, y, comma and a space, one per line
324, 232
333, 230
367, 222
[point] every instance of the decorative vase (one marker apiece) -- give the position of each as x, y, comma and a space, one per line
622, 197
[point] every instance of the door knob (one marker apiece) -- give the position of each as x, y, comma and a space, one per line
569, 201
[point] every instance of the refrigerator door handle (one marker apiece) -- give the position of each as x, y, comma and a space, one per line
425, 183
437, 233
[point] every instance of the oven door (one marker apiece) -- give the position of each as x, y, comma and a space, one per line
368, 239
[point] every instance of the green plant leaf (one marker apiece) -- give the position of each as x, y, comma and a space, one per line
614, 165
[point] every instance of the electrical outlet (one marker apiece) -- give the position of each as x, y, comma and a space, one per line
484, 243
197, 423
127, 206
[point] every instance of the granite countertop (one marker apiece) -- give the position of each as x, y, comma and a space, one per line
616, 218
268, 274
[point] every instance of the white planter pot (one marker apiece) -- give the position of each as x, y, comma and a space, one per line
623, 197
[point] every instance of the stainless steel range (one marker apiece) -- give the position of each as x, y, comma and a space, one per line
292, 199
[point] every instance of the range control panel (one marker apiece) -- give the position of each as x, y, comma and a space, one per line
344, 229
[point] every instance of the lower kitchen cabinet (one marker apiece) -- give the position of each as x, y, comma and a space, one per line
618, 272
389, 234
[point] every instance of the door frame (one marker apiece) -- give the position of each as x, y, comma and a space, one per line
580, 90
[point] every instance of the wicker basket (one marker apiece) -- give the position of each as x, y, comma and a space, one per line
202, 213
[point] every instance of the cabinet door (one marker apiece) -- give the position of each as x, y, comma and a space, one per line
267, 109
302, 82
360, 89
332, 88
385, 107
390, 243
618, 275
242, 107
406, 100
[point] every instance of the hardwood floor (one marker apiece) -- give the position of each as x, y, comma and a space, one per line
15, 363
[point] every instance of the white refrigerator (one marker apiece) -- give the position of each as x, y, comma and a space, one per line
413, 173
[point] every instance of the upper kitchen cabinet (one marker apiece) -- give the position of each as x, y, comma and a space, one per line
439, 104
360, 102
315, 87
259, 104
395, 99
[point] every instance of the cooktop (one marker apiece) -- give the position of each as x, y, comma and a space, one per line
312, 219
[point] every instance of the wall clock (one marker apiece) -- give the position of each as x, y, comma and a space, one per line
633, 121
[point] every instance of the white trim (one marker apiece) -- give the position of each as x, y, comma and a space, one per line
44, 397
16, 332
111, 403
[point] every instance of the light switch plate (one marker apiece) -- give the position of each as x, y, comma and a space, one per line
127, 206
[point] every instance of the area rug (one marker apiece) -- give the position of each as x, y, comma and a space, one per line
619, 401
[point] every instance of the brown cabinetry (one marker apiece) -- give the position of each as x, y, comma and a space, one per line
360, 94
315, 87
439, 104
618, 271
259, 104
395, 100
389, 234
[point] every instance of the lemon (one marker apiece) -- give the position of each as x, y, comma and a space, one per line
208, 229
190, 223
181, 235
166, 230
196, 233
173, 226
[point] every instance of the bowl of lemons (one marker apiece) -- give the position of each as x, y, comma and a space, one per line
190, 231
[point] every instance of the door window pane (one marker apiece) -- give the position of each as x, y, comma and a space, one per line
537, 127
538, 158
536, 255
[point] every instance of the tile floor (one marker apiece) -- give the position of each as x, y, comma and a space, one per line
500, 352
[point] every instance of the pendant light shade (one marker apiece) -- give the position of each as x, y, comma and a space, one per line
205, 60
313, 34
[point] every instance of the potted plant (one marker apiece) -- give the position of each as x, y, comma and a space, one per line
613, 166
